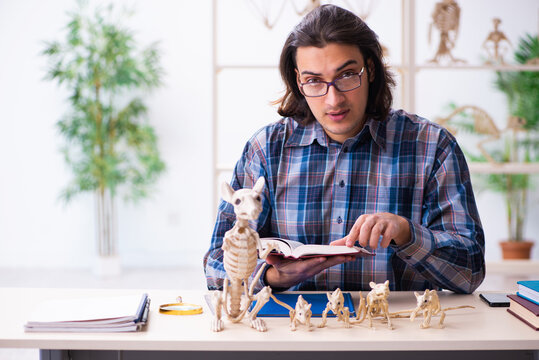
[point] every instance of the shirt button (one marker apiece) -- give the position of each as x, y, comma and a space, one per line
341, 184
339, 220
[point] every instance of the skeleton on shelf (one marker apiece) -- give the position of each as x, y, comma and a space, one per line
494, 44
376, 306
336, 305
240, 247
311, 5
482, 124
446, 18
263, 9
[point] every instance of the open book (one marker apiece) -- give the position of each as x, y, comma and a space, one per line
296, 250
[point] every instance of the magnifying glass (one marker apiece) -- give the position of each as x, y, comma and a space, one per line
180, 308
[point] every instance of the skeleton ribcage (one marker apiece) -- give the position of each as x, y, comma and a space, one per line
241, 258
447, 19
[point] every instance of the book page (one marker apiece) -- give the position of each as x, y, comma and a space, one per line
285, 246
296, 249
313, 249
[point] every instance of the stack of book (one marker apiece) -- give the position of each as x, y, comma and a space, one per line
525, 305
108, 314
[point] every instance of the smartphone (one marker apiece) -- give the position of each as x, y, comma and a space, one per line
495, 299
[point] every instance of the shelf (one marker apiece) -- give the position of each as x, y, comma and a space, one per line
245, 67
506, 67
474, 67
503, 168
513, 267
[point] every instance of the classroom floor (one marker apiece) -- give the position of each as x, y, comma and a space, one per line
498, 277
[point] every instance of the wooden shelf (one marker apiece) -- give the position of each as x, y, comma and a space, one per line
503, 168
506, 67
513, 267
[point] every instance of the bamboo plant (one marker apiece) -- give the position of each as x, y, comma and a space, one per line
110, 147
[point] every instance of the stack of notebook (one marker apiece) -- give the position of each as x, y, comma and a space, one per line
525, 305
108, 314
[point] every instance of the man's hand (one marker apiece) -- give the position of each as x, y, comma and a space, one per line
285, 273
368, 229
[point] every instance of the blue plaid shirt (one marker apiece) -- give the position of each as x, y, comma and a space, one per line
316, 189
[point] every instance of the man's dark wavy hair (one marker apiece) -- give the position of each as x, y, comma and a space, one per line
331, 24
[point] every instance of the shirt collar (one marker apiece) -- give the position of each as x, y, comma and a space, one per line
304, 135
378, 129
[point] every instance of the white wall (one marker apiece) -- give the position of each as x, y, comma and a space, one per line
170, 228
173, 227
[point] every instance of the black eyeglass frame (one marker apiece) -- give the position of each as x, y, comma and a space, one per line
330, 83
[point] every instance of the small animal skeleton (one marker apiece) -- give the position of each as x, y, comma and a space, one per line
493, 44
336, 305
240, 245
446, 18
376, 306
301, 314
483, 124
429, 304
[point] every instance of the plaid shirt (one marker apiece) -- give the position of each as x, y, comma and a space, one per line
316, 189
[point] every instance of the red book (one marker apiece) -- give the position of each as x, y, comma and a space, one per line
528, 313
523, 320
533, 307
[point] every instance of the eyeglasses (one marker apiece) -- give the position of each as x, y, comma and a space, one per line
346, 82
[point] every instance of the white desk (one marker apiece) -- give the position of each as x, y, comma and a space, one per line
479, 329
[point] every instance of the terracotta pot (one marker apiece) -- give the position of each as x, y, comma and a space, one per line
516, 250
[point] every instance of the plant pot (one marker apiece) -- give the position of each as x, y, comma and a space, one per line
516, 250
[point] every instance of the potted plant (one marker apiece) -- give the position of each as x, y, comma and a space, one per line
522, 92
110, 147
518, 143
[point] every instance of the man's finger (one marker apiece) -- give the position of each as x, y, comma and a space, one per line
353, 236
389, 234
376, 231
339, 242
365, 231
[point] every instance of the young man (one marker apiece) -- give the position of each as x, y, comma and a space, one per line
343, 168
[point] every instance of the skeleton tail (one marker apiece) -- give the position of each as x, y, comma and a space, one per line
401, 314
285, 305
361, 311
459, 307
255, 280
